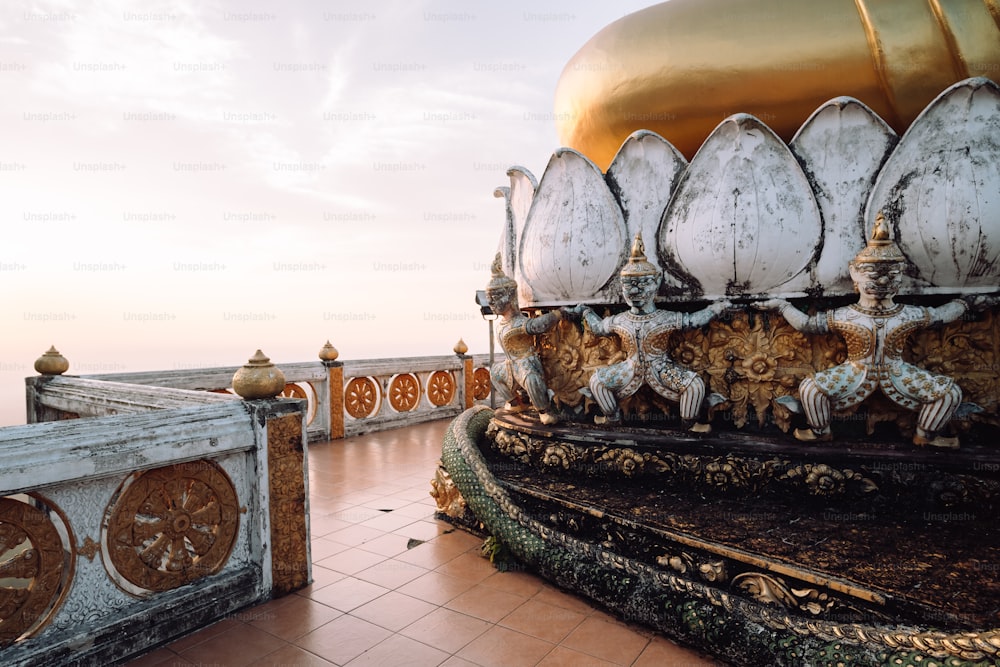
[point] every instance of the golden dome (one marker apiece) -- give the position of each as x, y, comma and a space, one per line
681, 67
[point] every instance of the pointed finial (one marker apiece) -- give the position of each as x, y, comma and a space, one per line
880, 232
51, 363
258, 378
460, 347
328, 352
638, 248
637, 264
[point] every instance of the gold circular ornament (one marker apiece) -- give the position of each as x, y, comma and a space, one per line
404, 392
481, 384
361, 397
36, 562
167, 527
440, 388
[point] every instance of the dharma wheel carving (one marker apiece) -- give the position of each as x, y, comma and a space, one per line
440, 388
481, 384
34, 567
169, 526
404, 392
361, 397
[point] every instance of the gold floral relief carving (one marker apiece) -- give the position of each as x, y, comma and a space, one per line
569, 354
969, 351
289, 538
32, 569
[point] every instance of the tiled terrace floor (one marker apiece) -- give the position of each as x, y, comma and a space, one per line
394, 586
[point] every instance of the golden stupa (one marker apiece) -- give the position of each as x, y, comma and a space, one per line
681, 67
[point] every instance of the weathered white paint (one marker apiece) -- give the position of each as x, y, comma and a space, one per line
643, 177
743, 220
841, 148
39, 455
574, 238
940, 189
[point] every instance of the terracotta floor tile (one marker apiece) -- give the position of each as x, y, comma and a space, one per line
350, 561
567, 657
446, 629
563, 599
467, 566
321, 548
436, 587
394, 611
389, 501
289, 656
662, 651
416, 511
425, 530
520, 583
388, 522
356, 514
434, 554
488, 604
295, 618
187, 641
348, 593
455, 661
355, 535
500, 647
322, 577
241, 645
391, 573
607, 640
161, 657
400, 651
387, 545
543, 620
343, 639
323, 524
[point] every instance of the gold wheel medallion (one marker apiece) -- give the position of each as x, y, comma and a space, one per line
169, 526
481, 384
361, 397
404, 392
440, 388
35, 566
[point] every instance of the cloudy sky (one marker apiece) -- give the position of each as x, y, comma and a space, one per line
184, 182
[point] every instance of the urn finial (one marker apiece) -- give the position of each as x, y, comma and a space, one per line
51, 363
258, 378
328, 352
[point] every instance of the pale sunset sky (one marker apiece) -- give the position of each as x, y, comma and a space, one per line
185, 181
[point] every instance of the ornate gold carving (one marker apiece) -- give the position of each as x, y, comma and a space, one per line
289, 535
361, 397
969, 351
754, 359
481, 385
89, 548
729, 473
712, 571
443, 490
569, 355
169, 526
440, 388
773, 590
34, 570
404, 392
